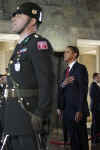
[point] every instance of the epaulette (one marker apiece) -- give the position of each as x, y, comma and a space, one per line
36, 35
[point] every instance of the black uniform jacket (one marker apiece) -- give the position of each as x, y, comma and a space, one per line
31, 68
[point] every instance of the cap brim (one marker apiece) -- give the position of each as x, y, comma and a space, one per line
17, 12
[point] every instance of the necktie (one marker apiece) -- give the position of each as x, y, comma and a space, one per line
67, 72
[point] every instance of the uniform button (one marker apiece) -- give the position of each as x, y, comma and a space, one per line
21, 99
8, 74
13, 90
27, 103
18, 58
11, 62
17, 84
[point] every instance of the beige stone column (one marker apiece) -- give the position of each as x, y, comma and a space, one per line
2, 61
98, 59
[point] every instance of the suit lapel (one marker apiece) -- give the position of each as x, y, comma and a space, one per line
73, 68
71, 71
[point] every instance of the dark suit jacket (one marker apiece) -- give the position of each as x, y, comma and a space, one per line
95, 97
73, 97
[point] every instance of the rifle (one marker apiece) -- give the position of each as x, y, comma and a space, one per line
42, 136
4, 141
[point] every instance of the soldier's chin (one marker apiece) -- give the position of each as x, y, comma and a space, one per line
14, 30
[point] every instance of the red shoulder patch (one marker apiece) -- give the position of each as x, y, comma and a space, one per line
42, 45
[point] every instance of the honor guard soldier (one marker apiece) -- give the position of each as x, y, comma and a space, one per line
31, 73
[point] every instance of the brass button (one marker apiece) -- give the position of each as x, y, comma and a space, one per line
17, 84
18, 58
11, 62
13, 90
21, 99
8, 74
27, 103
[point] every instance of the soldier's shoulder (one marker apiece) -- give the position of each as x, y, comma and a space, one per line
42, 42
39, 37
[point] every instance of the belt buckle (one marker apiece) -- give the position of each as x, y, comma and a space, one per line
13, 92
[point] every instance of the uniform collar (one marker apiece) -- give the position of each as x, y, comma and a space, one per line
24, 37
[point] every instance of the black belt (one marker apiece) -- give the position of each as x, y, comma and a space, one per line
22, 92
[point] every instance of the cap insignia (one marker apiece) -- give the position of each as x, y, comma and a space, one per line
34, 12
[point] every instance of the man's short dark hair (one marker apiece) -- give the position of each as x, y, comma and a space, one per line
94, 75
75, 50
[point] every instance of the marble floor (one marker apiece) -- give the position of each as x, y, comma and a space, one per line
61, 147
58, 147
57, 137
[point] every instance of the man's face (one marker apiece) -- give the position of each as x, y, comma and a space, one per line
18, 22
69, 55
98, 77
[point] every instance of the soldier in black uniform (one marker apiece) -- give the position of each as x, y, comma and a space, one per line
31, 72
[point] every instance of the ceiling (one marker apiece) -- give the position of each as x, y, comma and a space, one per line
88, 46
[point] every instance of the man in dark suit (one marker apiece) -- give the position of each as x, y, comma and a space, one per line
95, 106
73, 99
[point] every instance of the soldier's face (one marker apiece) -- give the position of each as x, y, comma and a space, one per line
18, 22
69, 55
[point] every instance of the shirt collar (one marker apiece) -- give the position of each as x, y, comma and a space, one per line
71, 64
96, 82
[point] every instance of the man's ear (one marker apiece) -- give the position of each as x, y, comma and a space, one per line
33, 21
75, 54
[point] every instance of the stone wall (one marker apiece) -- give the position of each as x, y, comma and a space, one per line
64, 20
